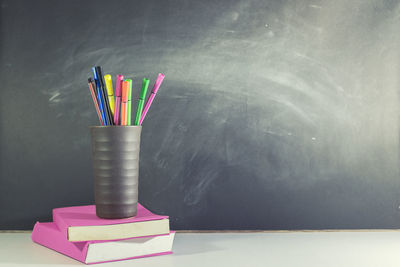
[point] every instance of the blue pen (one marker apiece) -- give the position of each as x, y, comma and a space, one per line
100, 97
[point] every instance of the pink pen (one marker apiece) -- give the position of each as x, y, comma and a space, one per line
156, 86
118, 93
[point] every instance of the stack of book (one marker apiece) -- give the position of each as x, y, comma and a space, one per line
78, 233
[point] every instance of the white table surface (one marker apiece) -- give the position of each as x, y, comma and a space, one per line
322, 249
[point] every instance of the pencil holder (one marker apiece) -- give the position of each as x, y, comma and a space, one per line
115, 156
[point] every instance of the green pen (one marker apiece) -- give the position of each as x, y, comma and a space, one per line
129, 103
142, 96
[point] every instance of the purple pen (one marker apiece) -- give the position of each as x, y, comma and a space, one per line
156, 86
118, 93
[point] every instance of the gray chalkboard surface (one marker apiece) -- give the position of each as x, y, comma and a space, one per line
273, 114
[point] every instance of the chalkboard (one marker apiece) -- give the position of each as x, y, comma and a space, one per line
272, 115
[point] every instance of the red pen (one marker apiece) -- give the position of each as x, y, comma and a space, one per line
94, 97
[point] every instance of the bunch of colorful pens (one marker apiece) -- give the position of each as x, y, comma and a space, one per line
117, 111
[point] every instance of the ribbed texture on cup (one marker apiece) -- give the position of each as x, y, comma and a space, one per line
115, 155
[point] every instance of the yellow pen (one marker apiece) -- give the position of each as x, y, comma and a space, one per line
110, 92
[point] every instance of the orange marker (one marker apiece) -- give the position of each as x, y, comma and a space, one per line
124, 104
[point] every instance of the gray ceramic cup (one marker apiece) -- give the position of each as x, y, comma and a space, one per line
115, 156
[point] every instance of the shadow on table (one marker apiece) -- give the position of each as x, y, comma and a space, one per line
198, 243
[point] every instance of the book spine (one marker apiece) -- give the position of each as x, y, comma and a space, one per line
61, 224
52, 238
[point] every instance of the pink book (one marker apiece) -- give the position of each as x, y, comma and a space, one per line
80, 223
90, 252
